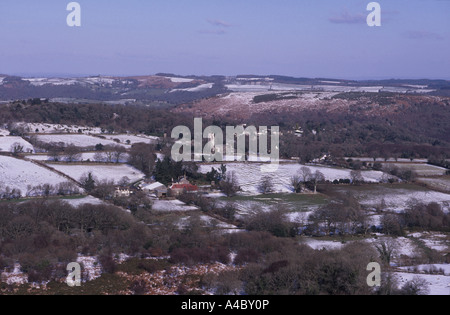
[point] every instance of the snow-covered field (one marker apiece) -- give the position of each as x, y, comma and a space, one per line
199, 88
322, 244
78, 140
101, 172
433, 240
207, 221
172, 205
7, 142
429, 269
249, 175
18, 174
131, 139
396, 197
58, 128
84, 201
85, 157
437, 284
179, 80
423, 169
442, 183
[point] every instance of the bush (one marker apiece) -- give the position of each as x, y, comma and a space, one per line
273, 221
107, 261
246, 255
392, 224
416, 286
426, 216
192, 256
138, 287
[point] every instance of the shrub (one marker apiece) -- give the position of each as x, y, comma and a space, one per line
107, 261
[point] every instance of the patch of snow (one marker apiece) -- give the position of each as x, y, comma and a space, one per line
132, 139
58, 128
172, 205
7, 142
91, 268
437, 284
179, 80
83, 201
19, 174
114, 172
14, 277
77, 140
429, 268
322, 244
4, 132
199, 88
249, 175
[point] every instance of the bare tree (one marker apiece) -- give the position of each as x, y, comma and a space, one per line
67, 188
296, 183
104, 189
99, 157
72, 153
109, 155
386, 249
317, 178
266, 185
16, 148
356, 177
230, 185
416, 286
118, 152
305, 174
142, 156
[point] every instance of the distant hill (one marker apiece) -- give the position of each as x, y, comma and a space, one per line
164, 89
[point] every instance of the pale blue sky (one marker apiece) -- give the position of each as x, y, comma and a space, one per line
310, 38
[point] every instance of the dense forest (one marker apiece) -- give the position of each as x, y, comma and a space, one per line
420, 130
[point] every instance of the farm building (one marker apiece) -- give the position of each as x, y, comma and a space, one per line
183, 186
156, 188
122, 192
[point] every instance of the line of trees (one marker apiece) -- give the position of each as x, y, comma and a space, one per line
306, 179
45, 190
417, 215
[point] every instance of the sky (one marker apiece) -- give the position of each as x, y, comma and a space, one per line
301, 38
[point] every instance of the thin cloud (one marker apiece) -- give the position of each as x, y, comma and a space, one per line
218, 23
219, 27
348, 18
421, 35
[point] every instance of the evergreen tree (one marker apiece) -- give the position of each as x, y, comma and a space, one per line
88, 182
